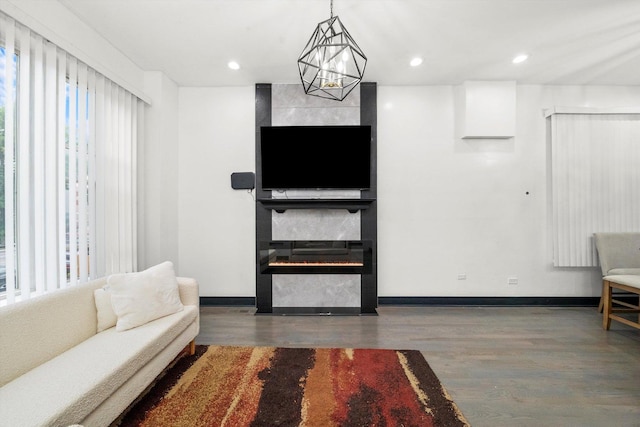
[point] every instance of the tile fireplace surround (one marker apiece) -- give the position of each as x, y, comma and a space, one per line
316, 242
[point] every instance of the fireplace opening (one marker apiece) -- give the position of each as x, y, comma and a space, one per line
316, 256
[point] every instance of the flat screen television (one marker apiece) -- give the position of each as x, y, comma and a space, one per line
315, 157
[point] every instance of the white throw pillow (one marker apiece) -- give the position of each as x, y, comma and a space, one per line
138, 298
106, 316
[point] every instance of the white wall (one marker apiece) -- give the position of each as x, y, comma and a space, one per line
159, 175
449, 206
216, 223
446, 206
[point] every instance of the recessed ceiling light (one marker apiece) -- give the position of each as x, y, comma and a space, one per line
415, 62
520, 58
233, 65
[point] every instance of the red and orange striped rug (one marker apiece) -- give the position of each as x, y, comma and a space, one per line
274, 386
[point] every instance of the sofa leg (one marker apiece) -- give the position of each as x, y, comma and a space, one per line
192, 347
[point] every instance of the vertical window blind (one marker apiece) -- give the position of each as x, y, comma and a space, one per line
595, 180
69, 155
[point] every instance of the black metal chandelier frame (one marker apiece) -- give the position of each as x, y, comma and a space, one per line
331, 64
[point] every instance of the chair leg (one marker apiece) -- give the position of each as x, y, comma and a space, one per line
606, 297
601, 303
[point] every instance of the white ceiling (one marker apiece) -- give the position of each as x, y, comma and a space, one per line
569, 41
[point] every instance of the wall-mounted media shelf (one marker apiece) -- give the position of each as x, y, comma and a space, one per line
281, 205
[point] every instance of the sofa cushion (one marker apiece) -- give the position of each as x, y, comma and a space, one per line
106, 316
71, 385
624, 271
632, 280
617, 250
41, 327
138, 298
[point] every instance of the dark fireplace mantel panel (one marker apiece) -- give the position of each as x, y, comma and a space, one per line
316, 251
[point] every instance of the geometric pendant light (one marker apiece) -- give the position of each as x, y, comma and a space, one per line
331, 64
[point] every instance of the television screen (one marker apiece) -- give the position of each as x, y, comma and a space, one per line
315, 157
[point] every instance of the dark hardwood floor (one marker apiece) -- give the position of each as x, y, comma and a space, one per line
503, 366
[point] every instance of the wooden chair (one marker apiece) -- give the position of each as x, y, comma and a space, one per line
619, 254
626, 283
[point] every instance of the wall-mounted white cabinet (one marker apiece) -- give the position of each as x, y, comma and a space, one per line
486, 109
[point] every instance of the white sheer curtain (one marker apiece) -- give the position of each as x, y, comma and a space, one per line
595, 180
70, 143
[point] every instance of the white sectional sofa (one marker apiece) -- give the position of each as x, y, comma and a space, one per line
56, 369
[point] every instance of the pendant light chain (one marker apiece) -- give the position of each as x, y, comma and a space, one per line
331, 8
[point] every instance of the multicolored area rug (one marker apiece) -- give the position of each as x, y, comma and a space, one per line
272, 386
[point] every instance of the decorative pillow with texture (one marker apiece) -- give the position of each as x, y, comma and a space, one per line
139, 298
106, 316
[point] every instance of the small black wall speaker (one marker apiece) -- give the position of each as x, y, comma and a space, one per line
243, 181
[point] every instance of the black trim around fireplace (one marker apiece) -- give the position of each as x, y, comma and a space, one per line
366, 205
281, 205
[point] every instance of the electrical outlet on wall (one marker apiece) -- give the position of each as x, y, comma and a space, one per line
462, 276
512, 280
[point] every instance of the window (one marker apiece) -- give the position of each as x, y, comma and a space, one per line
68, 159
8, 68
594, 179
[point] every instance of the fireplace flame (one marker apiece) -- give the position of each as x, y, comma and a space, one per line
315, 263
